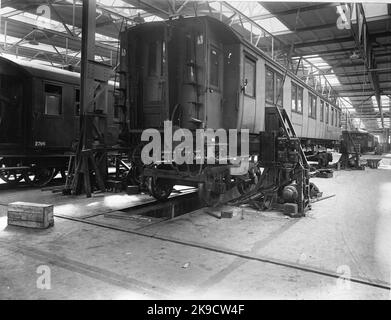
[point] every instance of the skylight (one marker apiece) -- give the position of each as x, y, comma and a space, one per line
251, 9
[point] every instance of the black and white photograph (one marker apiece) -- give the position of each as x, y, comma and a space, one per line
214, 152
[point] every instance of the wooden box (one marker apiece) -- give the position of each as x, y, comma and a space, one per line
31, 215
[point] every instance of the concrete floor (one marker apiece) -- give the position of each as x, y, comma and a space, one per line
349, 233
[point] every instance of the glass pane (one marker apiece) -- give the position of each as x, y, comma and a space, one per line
152, 55
53, 97
77, 102
332, 116
214, 68
327, 113
294, 97
269, 86
299, 99
249, 75
11, 106
321, 110
279, 90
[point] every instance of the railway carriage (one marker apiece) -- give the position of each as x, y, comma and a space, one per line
200, 73
364, 141
39, 120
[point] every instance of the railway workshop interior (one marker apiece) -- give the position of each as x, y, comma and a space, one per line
182, 149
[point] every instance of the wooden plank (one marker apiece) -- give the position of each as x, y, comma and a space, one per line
30, 207
28, 214
29, 224
15, 215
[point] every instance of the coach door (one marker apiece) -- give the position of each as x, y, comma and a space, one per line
248, 94
215, 88
154, 85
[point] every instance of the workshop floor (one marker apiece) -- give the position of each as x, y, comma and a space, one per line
199, 256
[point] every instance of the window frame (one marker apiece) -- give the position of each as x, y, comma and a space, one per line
321, 116
327, 113
312, 98
59, 85
218, 55
273, 84
252, 62
332, 116
300, 90
75, 89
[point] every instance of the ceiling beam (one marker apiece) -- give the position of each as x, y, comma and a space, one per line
338, 51
363, 42
290, 11
316, 43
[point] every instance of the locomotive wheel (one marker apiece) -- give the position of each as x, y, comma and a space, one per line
254, 174
39, 177
160, 189
10, 176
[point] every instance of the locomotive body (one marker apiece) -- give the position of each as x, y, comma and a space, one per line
39, 118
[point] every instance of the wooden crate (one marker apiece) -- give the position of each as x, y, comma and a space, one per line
31, 215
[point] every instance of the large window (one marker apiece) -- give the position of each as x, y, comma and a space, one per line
297, 98
279, 89
156, 57
332, 116
338, 118
214, 68
312, 106
77, 102
152, 58
321, 110
294, 97
327, 113
249, 77
53, 99
269, 85
274, 87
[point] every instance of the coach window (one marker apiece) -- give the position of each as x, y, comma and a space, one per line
279, 89
312, 106
152, 56
332, 116
249, 77
294, 97
77, 102
116, 107
269, 85
339, 119
53, 99
299, 99
214, 68
327, 113
321, 110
